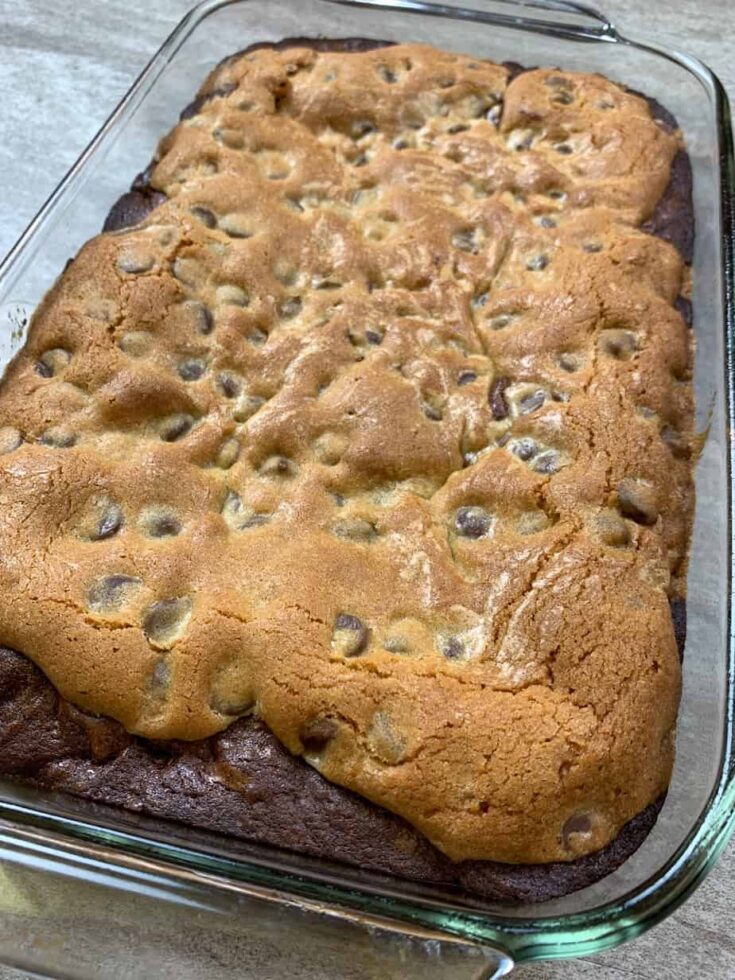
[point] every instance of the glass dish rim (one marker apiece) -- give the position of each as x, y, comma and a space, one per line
537, 937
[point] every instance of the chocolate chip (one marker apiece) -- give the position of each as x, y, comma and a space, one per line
592, 247
458, 128
236, 226
396, 644
10, 439
290, 308
109, 523
547, 462
384, 741
362, 128
232, 510
499, 322
165, 621
256, 520
203, 319
160, 678
563, 98
637, 501
531, 401
558, 82
373, 337
228, 385
192, 369
133, 260
232, 296
228, 454
452, 648
472, 522
578, 825
612, 529
176, 426
493, 114
466, 377
676, 442
524, 448
387, 74
110, 592
466, 240
496, 397
620, 344
532, 522
564, 148
186, 270
136, 343
59, 437
160, 524
323, 282
52, 362
231, 138
355, 529
432, 412
568, 362
547, 222
279, 466
521, 141
246, 406
316, 734
204, 215
350, 635
538, 263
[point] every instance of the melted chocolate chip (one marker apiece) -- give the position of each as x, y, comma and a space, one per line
472, 522
496, 397
316, 734
350, 636
207, 217
176, 427
109, 524
636, 501
110, 592
192, 369
166, 620
453, 648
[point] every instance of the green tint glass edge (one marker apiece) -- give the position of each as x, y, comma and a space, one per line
571, 935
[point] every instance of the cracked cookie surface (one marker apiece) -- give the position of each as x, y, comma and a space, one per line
378, 426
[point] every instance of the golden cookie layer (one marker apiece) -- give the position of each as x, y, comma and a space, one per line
377, 427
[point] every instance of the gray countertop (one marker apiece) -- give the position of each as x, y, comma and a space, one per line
64, 66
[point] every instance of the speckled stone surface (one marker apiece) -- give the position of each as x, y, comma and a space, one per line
62, 69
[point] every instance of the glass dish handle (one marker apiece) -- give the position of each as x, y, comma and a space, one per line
86, 912
570, 19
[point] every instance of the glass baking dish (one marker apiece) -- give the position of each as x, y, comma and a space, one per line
260, 892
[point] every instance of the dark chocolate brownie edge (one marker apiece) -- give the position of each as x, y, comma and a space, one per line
243, 783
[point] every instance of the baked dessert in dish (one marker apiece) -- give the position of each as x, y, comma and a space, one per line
346, 479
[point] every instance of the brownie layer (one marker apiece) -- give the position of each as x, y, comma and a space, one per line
245, 784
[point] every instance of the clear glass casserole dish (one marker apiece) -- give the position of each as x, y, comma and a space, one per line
309, 906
